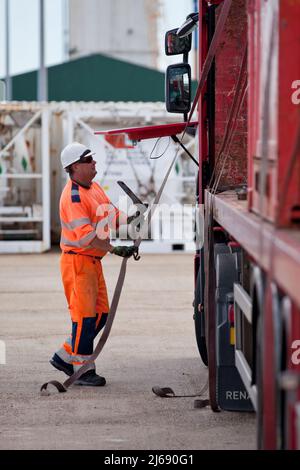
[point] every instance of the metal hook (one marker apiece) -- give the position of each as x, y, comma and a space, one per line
136, 255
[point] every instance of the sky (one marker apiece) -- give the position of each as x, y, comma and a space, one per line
24, 29
173, 14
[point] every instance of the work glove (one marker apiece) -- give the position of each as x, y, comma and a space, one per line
125, 251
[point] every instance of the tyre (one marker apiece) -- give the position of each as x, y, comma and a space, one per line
257, 295
199, 318
259, 385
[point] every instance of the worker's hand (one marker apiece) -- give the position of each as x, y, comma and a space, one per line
125, 251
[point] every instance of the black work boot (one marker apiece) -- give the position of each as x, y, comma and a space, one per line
59, 364
90, 378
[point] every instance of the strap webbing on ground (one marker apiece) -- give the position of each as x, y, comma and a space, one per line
167, 392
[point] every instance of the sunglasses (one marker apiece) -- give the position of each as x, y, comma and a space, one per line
88, 159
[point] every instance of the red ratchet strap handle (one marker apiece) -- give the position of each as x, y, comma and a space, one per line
62, 388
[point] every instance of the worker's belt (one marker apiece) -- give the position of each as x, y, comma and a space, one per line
81, 254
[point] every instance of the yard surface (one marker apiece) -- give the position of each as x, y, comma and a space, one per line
152, 343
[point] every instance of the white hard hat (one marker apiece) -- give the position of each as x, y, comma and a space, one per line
73, 152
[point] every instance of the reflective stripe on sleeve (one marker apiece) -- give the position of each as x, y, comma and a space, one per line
76, 223
80, 243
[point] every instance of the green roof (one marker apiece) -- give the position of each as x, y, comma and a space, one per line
94, 78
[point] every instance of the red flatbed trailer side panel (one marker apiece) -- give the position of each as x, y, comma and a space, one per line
228, 62
289, 113
269, 248
274, 76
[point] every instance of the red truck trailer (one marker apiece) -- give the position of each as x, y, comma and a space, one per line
247, 270
247, 302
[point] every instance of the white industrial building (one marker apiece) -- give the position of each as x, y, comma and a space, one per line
124, 29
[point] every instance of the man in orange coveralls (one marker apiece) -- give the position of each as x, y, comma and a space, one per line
83, 205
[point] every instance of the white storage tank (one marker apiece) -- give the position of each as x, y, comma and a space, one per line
124, 29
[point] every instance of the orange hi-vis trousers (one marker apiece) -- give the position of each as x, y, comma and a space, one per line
86, 294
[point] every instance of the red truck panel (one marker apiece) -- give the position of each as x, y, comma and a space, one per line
274, 75
228, 63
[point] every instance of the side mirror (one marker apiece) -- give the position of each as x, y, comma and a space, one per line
178, 88
174, 45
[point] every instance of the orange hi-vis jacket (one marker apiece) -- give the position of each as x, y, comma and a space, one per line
86, 213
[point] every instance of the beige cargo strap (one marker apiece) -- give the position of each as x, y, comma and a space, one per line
115, 301
167, 392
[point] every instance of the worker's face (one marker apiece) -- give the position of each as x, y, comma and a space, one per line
85, 170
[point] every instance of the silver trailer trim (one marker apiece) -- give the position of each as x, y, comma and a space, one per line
243, 307
245, 373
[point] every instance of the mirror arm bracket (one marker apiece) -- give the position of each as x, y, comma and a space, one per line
177, 141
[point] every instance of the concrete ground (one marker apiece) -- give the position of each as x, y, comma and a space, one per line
152, 343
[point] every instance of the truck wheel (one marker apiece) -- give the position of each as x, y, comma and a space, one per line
257, 295
200, 319
259, 384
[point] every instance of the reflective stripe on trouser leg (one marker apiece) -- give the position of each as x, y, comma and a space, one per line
79, 361
65, 352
